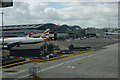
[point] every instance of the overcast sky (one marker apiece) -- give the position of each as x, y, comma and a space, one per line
84, 14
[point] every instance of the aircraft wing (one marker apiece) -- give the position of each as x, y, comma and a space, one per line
12, 44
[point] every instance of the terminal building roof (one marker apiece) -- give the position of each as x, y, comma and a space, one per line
32, 26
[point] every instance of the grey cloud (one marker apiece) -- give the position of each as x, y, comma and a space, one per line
84, 14
96, 14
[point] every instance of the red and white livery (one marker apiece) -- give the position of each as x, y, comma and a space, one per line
28, 39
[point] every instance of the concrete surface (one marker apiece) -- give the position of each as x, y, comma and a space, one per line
102, 63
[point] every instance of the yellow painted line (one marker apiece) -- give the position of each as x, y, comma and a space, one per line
66, 55
62, 56
14, 64
51, 58
37, 60
48, 59
56, 57
70, 55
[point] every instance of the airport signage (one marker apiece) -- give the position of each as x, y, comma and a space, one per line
6, 3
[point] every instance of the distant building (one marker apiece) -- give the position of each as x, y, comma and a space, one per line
22, 30
91, 32
58, 31
70, 31
113, 35
102, 33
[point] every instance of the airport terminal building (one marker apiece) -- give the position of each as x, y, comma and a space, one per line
38, 29
59, 31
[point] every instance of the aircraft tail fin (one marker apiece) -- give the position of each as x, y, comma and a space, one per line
30, 34
45, 35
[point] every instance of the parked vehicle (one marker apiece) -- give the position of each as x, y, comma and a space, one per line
67, 51
83, 48
51, 55
57, 51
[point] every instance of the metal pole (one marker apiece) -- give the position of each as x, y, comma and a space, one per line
2, 32
43, 50
46, 47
